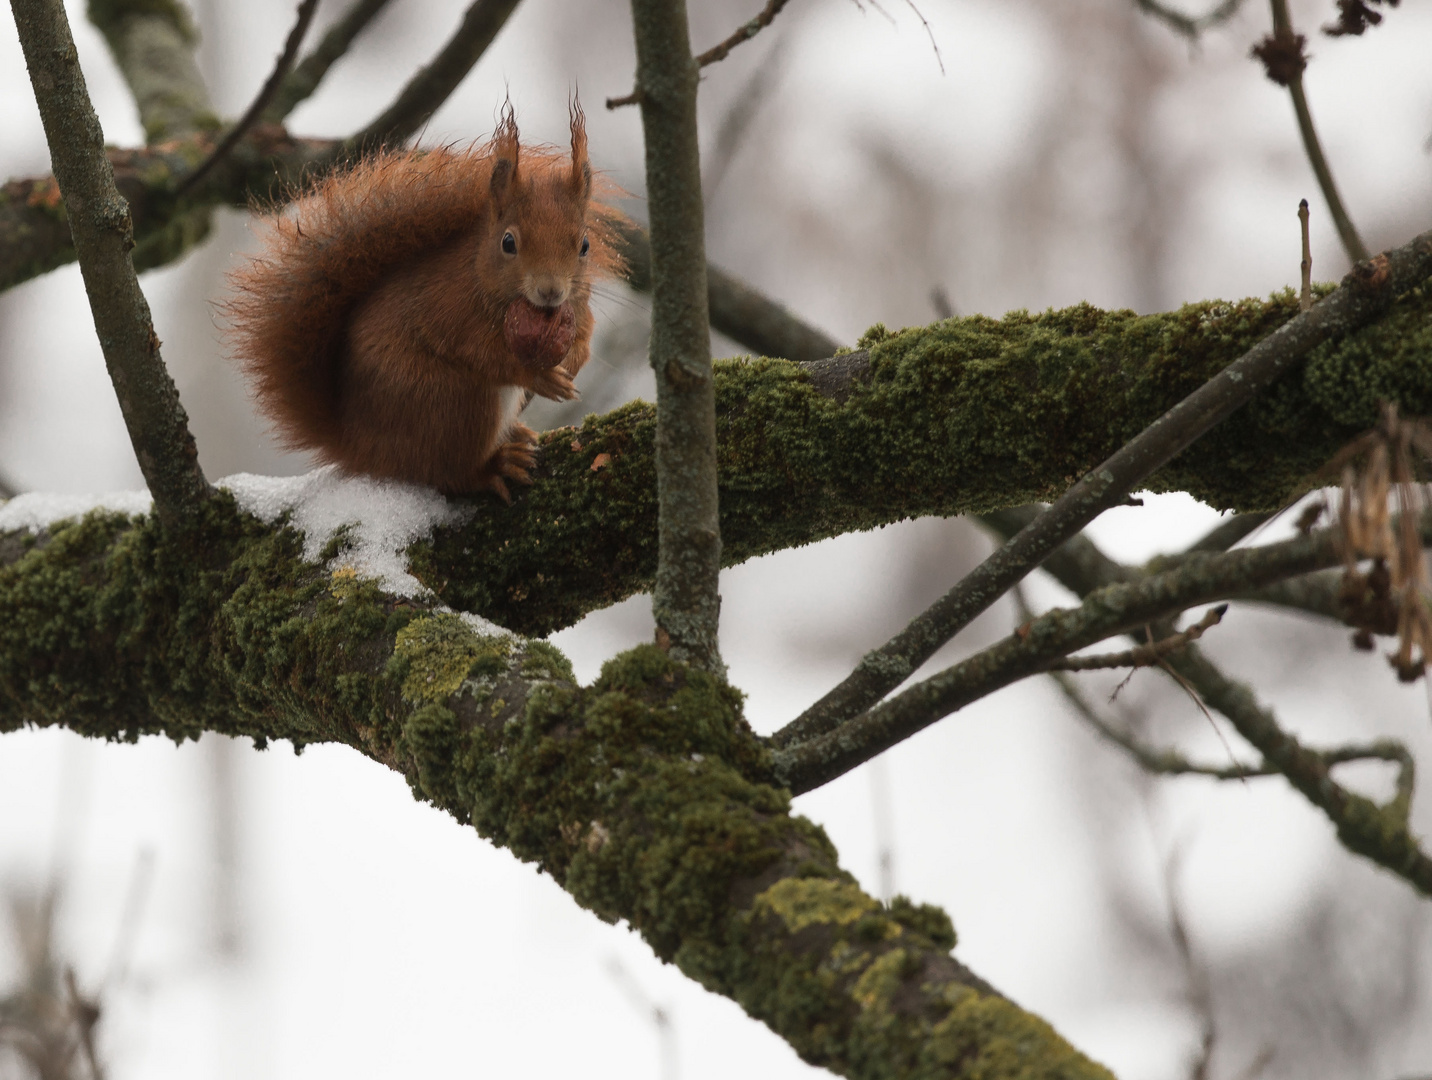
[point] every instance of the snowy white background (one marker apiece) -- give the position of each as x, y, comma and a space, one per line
1071, 151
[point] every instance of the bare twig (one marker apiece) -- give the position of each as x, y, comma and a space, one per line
1112, 610
1147, 655
103, 235
1364, 292
1305, 296
430, 87
1284, 61
685, 601
303, 80
271, 85
1151, 759
745, 32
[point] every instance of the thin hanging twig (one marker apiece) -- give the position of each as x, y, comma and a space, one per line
260, 103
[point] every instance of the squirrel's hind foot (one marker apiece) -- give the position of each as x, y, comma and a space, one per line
512, 460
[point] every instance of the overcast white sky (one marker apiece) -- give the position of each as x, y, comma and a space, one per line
380, 938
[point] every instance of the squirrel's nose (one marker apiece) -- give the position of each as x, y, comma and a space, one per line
546, 292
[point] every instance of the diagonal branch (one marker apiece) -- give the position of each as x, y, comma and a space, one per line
153, 44
303, 80
645, 796
429, 88
1382, 834
686, 602
1364, 292
1379, 833
737, 310
231, 138
1112, 610
103, 235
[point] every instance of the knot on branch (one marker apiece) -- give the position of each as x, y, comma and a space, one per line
1282, 56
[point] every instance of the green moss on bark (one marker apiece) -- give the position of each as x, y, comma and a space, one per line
964, 416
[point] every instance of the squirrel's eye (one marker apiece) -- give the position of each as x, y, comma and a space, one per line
586, 246
509, 243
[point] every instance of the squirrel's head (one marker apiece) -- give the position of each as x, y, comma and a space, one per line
540, 242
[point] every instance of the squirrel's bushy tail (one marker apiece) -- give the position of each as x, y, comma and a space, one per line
289, 310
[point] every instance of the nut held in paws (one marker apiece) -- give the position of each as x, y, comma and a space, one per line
539, 337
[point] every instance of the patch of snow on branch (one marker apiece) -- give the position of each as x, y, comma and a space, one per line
384, 517
38, 510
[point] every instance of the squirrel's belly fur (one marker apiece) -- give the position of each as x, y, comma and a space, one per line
375, 326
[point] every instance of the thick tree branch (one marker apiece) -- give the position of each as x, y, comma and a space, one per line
430, 87
952, 419
304, 79
645, 796
686, 602
1365, 292
103, 234
153, 43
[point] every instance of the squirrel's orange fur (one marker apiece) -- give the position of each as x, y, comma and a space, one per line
390, 326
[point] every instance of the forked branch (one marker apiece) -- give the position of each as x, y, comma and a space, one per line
1364, 292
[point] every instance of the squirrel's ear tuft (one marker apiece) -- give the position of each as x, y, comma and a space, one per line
504, 151
581, 175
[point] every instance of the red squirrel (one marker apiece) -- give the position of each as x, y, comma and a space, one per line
402, 313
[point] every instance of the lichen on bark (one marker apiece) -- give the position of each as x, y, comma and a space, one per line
645, 795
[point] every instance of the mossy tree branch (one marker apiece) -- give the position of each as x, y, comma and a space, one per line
686, 602
1364, 293
153, 42
645, 795
103, 235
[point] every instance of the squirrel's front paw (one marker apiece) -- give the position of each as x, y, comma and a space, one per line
555, 384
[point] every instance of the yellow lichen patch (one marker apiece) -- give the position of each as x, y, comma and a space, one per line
341, 582
989, 1036
880, 980
442, 651
803, 902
